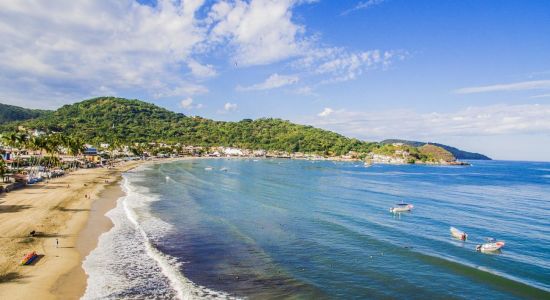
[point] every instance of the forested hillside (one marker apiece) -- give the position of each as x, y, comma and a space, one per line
108, 119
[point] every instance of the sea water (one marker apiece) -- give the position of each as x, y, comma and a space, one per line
276, 229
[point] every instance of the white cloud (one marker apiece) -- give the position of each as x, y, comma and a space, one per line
230, 106
326, 112
363, 5
347, 66
272, 82
473, 121
262, 31
73, 47
338, 64
199, 70
516, 86
187, 103
55, 52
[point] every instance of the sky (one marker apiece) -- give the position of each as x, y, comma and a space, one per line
472, 74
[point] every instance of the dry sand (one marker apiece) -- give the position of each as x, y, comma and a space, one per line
57, 210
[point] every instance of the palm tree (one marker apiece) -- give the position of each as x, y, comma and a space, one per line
3, 167
39, 143
19, 141
53, 143
113, 146
75, 147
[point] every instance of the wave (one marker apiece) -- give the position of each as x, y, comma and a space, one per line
127, 264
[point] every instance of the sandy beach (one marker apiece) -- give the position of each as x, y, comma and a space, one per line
58, 210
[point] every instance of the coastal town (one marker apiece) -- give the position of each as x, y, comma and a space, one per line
29, 157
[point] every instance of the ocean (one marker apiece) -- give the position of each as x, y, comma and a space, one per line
296, 229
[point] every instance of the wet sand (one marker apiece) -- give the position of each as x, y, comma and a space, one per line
57, 210
73, 284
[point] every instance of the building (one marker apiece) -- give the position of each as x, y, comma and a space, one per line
91, 155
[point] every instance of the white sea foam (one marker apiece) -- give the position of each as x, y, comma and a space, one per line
127, 265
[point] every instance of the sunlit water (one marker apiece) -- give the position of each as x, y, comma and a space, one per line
302, 229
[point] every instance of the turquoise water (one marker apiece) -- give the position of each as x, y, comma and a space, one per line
301, 229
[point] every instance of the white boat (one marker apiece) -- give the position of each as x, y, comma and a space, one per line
461, 235
223, 169
490, 246
401, 207
208, 169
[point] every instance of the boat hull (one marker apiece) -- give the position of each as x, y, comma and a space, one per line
399, 209
461, 235
491, 247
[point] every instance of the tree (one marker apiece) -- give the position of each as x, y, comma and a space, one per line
3, 167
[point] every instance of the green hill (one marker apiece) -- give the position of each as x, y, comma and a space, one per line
438, 153
459, 154
107, 119
10, 113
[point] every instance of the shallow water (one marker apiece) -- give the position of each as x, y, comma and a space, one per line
303, 229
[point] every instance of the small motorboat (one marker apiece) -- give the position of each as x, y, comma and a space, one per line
461, 235
208, 169
223, 169
29, 258
490, 246
401, 207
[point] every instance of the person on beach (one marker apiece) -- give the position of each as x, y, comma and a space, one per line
56, 243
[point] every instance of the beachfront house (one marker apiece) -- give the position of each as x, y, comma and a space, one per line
91, 155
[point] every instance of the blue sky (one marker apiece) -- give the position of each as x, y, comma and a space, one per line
474, 74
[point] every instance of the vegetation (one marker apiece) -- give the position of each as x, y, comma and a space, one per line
134, 123
49, 146
459, 154
3, 167
9, 113
413, 154
436, 153
116, 120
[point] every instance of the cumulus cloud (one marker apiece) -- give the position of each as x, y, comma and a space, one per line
202, 71
230, 106
73, 47
61, 51
326, 112
272, 82
262, 31
473, 121
506, 87
187, 103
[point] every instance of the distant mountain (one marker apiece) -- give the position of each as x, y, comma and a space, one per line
9, 113
459, 154
109, 119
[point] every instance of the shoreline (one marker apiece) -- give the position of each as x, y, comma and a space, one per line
57, 210
72, 285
